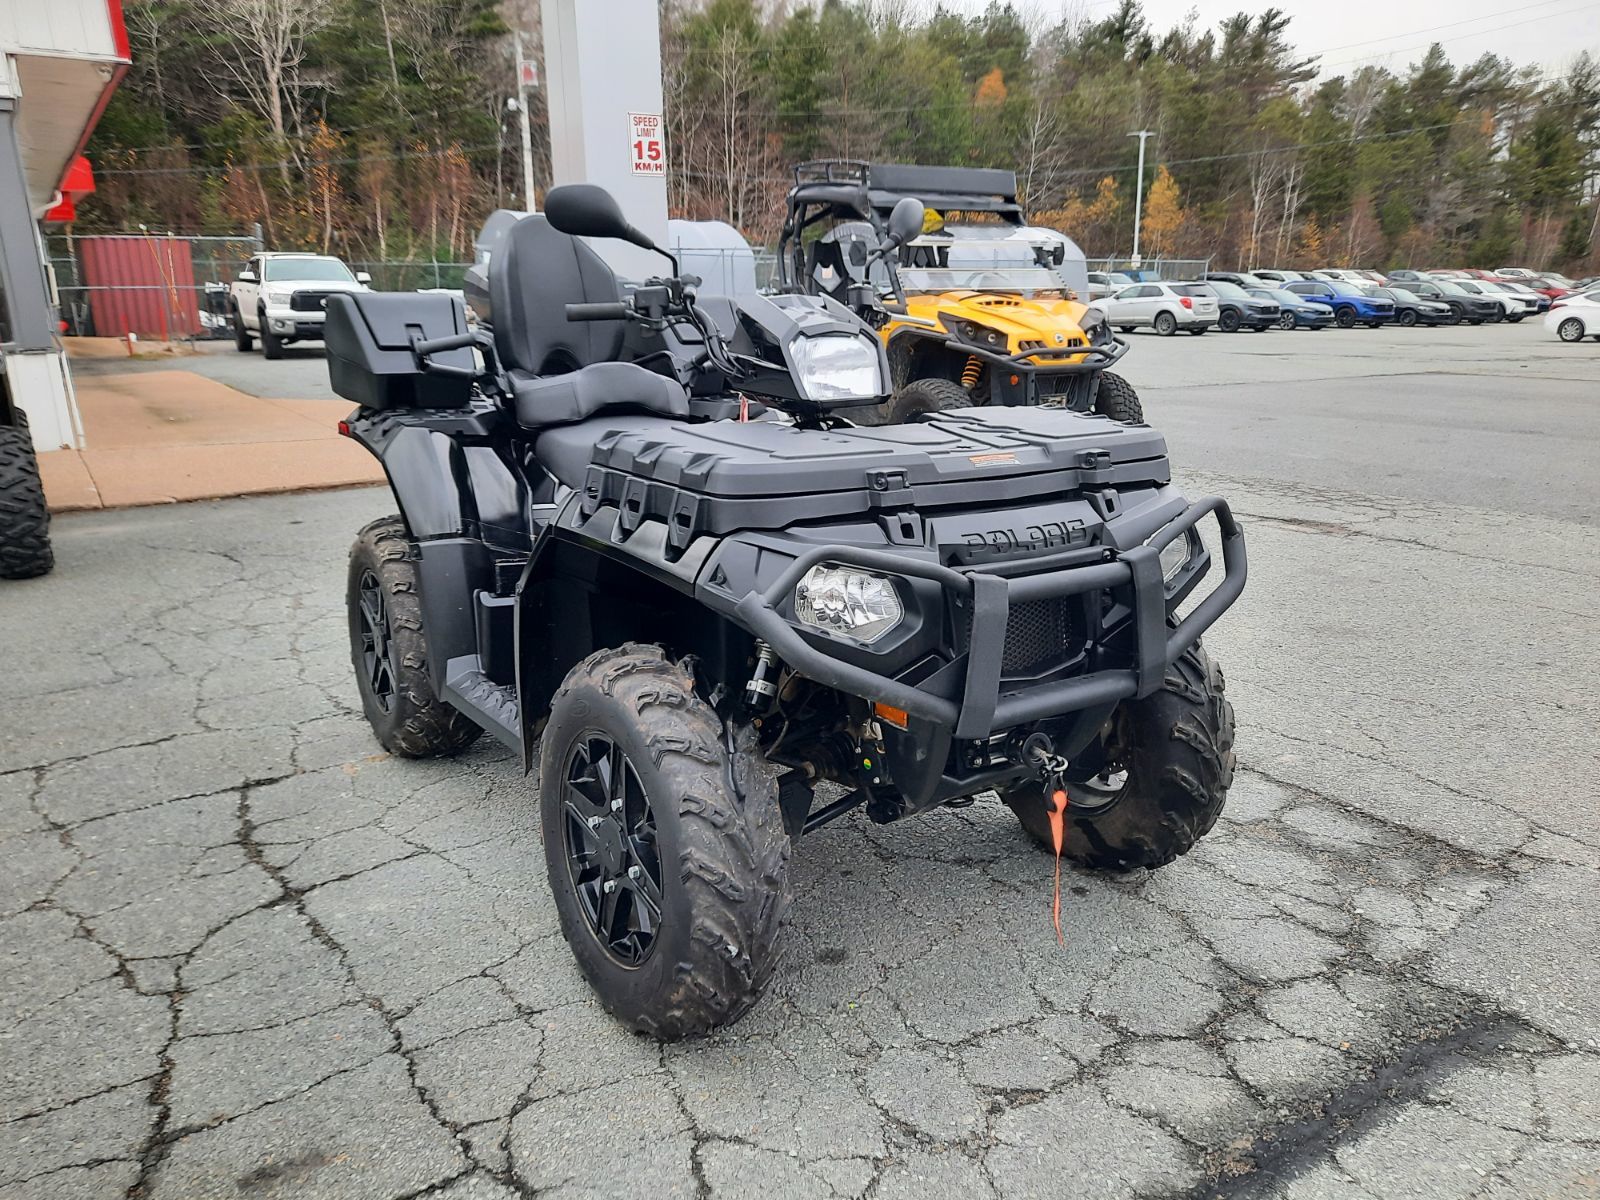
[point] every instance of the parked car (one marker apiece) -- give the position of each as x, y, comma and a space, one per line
1547, 287
1404, 275
1339, 275
1349, 303
1106, 283
1515, 272
1276, 276
1237, 309
1164, 307
1412, 310
1517, 287
1375, 277
1575, 317
283, 298
1244, 279
1464, 306
1295, 312
1512, 308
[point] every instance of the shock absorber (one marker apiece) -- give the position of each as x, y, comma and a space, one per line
972, 372
760, 690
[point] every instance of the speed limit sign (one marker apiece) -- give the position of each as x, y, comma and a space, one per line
645, 148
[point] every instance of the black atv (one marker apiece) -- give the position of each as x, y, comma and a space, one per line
24, 518
638, 544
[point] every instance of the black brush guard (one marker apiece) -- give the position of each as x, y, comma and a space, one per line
983, 710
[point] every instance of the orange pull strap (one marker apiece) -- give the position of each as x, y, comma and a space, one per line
1058, 835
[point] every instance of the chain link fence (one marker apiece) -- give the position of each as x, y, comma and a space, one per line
1154, 268
162, 286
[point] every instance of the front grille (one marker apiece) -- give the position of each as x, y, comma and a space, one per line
309, 301
1042, 635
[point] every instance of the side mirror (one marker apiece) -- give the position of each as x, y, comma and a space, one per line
247, 277
905, 220
858, 254
363, 277
588, 210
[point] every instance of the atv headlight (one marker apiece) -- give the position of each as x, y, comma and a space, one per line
838, 366
1174, 558
1094, 325
843, 600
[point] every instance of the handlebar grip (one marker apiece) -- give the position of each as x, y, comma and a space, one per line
610, 311
454, 341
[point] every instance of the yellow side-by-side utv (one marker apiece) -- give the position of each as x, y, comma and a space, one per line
981, 308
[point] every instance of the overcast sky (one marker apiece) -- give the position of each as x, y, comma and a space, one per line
1392, 33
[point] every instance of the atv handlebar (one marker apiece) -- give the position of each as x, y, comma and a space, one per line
614, 310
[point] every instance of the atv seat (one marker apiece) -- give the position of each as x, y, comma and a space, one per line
540, 401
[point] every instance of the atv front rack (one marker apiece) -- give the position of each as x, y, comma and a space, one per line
983, 709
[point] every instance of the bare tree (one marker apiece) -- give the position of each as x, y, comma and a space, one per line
267, 45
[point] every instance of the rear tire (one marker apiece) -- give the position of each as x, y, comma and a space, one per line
1117, 399
24, 516
1570, 330
1166, 324
271, 344
1197, 331
1286, 321
688, 936
1179, 762
389, 652
915, 399
242, 341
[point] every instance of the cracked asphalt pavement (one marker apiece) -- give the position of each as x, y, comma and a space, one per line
248, 955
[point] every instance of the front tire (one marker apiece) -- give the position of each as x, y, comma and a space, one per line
1166, 324
1117, 399
1345, 318
24, 517
242, 341
917, 398
1570, 330
641, 789
1173, 751
1407, 318
389, 652
1228, 322
271, 343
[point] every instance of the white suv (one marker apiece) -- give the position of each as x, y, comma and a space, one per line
282, 298
1164, 307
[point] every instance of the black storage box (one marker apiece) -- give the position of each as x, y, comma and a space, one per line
369, 336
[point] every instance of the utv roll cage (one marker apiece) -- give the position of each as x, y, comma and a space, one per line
838, 189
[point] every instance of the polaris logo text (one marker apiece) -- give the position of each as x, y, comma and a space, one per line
1050, 535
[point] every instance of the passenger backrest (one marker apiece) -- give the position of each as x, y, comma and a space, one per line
533, 276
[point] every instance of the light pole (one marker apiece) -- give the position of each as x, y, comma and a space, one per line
526, 77
1138, 193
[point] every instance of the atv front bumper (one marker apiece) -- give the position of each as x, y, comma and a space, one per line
980, 706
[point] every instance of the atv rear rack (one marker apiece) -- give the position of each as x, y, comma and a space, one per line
983, 709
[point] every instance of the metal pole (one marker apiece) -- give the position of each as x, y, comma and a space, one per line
527, 135
1138, 192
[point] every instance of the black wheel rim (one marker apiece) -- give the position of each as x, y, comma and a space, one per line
1100, 793
612, 851
377, 642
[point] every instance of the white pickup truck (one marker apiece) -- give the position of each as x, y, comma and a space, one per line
283, 298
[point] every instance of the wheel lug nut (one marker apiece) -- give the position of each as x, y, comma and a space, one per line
609, 885
616, 806
594, 822
634, 872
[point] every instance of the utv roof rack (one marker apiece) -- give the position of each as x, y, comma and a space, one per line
875, 187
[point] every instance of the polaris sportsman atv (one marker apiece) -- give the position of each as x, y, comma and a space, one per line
638, 545
972, 311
